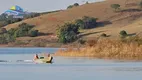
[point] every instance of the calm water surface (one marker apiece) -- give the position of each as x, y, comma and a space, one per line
63, 68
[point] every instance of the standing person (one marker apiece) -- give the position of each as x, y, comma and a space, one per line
36, 57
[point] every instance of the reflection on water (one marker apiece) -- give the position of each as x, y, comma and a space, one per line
21, 67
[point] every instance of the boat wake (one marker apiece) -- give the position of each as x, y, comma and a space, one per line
26, 61
18, 61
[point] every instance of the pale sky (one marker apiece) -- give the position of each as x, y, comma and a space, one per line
39, 5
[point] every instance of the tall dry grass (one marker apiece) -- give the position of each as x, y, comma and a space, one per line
111, 49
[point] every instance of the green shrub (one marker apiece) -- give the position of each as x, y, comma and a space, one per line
115, 6
6, 19
80, 23
67, 33
12, 31
3, 23
86, 22
3, 39
123, 34
25, 26
74, 5
33, 33
23, 30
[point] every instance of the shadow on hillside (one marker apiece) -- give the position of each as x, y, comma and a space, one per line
131, 10
133, 34
81, 35
103, 23
44, 34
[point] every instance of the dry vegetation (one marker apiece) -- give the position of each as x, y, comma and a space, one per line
105, 48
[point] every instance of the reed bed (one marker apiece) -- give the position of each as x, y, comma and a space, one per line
110, 49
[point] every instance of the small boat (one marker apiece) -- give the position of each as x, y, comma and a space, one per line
43, 60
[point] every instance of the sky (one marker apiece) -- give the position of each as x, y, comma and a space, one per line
40, 5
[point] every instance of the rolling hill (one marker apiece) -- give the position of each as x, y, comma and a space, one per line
129, 18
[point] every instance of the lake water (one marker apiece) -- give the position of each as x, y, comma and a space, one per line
63, 68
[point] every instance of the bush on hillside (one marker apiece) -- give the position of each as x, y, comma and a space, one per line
67, 33
6, 19
74, 5
12, 31
123, 34
33, 33
3, 23
9, 38
86, 22
115, 6
3, 39
23, 30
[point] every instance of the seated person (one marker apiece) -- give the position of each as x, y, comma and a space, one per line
49, 58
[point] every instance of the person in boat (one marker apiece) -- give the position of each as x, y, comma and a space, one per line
50, 58
36, 57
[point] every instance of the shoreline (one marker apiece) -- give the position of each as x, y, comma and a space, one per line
106, 49
102, 49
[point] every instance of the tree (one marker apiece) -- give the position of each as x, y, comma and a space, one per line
123, 34
115, 6
23, 30
3, 39
67, 33
76, 4
86, 22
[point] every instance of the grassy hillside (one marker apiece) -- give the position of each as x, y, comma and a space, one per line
101, 10
111, 22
